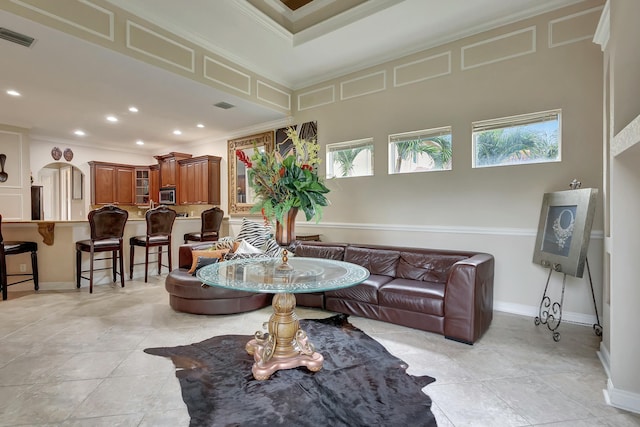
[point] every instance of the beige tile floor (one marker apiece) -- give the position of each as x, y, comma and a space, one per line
68, 358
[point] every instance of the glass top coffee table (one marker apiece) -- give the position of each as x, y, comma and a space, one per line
286, 346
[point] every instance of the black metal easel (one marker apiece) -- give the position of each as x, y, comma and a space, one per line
550, 312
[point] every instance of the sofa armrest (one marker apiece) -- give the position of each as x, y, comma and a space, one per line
184, 252
468, 298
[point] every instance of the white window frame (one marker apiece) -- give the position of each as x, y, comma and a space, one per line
514, 122
339, 146
423, 134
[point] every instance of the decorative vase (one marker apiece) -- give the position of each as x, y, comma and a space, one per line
286, 230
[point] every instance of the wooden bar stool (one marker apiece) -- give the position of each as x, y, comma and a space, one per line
159, 225
14, 248
107, 228
210, 227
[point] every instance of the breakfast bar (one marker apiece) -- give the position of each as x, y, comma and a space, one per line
56, 247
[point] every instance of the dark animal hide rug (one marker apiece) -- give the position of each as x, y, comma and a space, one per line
360, 383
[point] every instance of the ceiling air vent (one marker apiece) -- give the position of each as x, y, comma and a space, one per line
17, 38
224, 105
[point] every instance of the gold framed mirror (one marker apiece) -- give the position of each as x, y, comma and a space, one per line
241, 196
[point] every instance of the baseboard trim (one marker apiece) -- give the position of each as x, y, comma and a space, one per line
605, 358
531, 311
621, 399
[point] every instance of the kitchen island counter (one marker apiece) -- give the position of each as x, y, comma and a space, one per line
56, 248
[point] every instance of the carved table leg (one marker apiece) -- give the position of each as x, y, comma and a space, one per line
286, 346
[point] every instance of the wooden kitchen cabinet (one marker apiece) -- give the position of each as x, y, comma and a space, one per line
186, 195
169, 174
124, 185
142, 186
199, 180
103, 183
112, 183
154, 183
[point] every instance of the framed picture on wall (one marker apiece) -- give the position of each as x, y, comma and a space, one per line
241, 195
307, 131
564, 230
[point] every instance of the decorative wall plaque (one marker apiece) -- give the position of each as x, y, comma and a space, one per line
56, 153
68, 154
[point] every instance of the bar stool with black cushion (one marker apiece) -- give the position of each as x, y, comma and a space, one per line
210, 228
14, 248
107, 228
159, 225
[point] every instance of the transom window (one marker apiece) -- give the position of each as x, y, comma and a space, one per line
527, 138
420, 151
350, 158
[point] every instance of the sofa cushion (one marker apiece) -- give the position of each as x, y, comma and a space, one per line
412, 295
428, 267
320, 251
366, 291
180, 283
377, 261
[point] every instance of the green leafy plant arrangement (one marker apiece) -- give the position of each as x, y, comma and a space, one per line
285, 182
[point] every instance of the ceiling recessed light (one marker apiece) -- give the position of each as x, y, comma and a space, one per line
13, 92
133, 109
140, 142
177, 132
112, 119
200, 125
79, 132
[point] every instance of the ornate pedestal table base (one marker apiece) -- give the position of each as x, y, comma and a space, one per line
286, 346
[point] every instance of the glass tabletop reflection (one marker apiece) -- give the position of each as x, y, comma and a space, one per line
263, 275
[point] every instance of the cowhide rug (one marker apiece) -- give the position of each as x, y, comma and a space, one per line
360, 383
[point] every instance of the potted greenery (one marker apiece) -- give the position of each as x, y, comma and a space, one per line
286, 183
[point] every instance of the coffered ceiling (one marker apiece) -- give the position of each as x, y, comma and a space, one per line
68, 83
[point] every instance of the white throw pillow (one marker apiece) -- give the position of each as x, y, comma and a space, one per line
247, 248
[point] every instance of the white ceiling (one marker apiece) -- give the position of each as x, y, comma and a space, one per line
68, 83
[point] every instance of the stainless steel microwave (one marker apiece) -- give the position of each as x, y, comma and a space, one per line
167, 196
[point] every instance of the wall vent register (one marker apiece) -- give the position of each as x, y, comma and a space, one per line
14, 37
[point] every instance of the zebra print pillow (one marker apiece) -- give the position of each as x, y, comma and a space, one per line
233, 255
272, 248
224, 243
254, 233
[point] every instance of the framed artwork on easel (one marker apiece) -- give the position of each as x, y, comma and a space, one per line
564, 230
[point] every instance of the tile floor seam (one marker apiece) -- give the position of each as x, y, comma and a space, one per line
529, 423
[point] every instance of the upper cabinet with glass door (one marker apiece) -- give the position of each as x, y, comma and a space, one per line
142, 186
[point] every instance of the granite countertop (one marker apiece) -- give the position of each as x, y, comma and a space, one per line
81, 221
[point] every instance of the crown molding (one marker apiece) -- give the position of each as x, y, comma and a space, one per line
262, 19
342, 19
433, 43
317, 31
603, 31
194, 38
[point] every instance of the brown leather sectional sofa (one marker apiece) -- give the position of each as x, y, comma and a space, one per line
187, 294
448, 292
